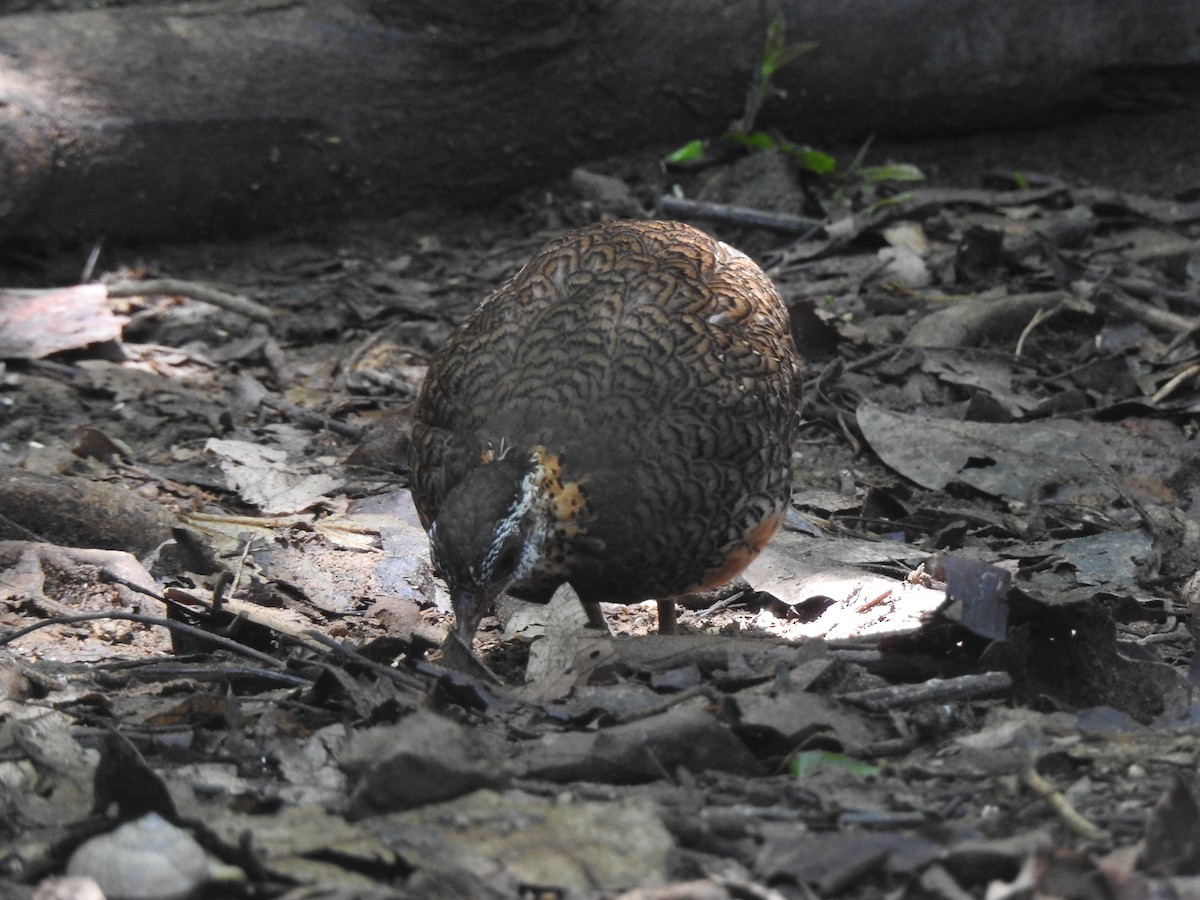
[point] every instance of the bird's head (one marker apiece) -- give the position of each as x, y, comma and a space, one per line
480, 541
502, 526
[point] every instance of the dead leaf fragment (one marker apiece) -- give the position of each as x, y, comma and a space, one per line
35, 324
980, 588
424, 759
639, 751
1172, 844
56, 785
1013, 461
570, 848
263, 477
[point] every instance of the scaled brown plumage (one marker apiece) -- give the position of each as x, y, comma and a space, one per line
617, 415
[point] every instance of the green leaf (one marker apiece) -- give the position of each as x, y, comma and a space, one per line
689, 152
814, 160
776, 54
758, 140
1021, 181
808, 761
772, 46
861, 156
892, 172
894, 200
792, 51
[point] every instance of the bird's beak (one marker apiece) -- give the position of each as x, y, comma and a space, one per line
469, 610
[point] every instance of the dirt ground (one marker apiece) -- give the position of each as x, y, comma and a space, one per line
964, 669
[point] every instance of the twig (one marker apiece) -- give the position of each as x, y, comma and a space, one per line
1109, 478
864, 362
177, 287
1061, 805
165, 599
1179, 340
738, 215
157, 671
1169, 388
401, 678
1168, 212
669, 702
1151, 316
935, 690
723, 603
874, 601
1038, 318
182, 627
113, 577
89, 267
936, 198
963, 324
314, 420
1149, 290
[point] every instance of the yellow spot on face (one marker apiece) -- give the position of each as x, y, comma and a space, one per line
566, 498
569, 500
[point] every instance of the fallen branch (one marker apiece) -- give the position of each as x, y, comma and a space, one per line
174, 287
984, 686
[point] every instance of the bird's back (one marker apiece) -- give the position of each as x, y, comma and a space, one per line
656, 364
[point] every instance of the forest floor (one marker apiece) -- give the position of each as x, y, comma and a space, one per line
964, 668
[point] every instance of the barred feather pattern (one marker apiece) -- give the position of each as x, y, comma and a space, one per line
654, 367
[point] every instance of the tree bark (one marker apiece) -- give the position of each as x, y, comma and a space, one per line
172, 120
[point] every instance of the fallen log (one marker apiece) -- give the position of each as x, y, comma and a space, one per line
181, 119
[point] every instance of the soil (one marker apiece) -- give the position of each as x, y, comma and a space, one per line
964, 669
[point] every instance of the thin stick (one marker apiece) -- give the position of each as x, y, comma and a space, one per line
1169, 388
935, 690
182, 627
1061, 805
669, 702
401, 678
738, 215
312, 419
1038, 318
177, 287
1151, 316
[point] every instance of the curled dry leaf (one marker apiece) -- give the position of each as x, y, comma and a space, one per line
148, 859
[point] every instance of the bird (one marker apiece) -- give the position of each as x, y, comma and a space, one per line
618, 415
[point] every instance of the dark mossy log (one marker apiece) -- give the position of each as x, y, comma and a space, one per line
163, 120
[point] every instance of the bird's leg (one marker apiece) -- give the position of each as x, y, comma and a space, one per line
595, 618
667, 622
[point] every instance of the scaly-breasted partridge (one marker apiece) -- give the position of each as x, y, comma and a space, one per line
617, 415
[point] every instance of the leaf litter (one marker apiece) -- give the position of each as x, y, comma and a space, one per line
963, 670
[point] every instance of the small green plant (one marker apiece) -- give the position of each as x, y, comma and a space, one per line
816, 161
855, 181
776, 54
808, 761
691, 152
862, 182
